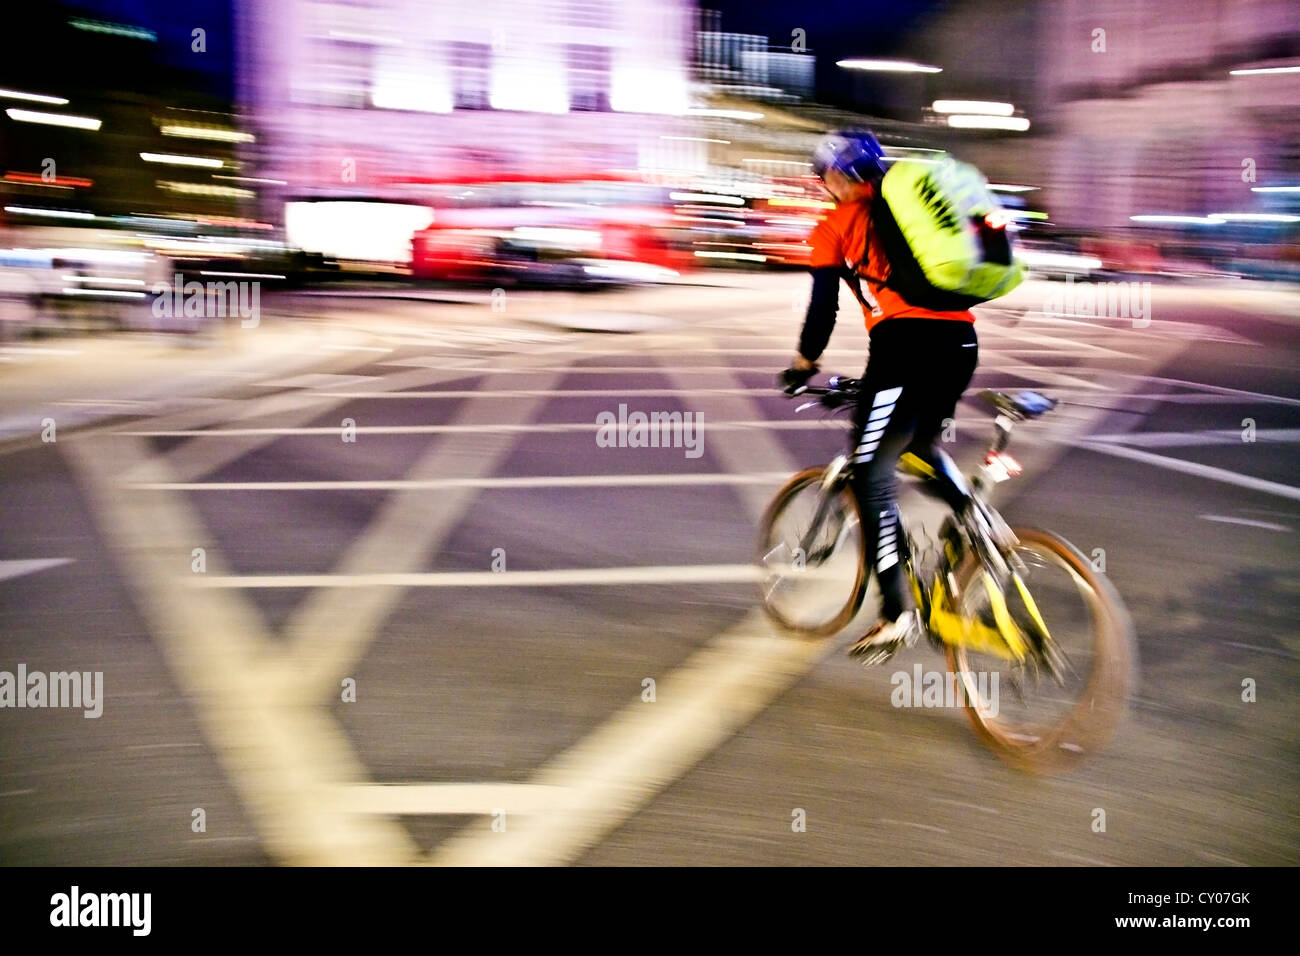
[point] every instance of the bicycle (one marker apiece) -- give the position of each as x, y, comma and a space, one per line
973, 591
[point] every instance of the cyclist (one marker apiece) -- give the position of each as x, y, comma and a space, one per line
919, 364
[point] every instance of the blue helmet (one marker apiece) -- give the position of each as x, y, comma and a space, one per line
855, 153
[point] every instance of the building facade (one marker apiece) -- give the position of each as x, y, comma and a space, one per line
353, 98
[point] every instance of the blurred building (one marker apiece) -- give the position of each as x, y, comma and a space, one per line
101, 96
746, 64
367, 98
1148, 118
1134, 107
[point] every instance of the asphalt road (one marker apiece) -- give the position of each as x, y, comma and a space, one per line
473, 635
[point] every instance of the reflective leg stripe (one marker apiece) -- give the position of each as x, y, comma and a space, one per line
887, 543
882, 407
887, 397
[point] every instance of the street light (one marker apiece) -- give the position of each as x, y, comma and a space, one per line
982, 107
888, 66
965, 121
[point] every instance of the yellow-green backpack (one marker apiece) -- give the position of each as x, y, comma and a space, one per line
944, 236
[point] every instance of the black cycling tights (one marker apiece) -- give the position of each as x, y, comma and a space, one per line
916, 372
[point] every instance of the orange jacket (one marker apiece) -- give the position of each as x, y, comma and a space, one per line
838, 242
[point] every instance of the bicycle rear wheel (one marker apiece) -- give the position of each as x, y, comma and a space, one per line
1064, 704
812, 557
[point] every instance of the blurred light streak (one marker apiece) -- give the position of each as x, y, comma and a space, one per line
800, 203
707, 198
243, 275
973, 106
1187, 220
1265, 69
744, 256
205, 189
37, 179
33, 97
54, 119
1034, 257
114, 29
170, 159
724, 114
699, 139
1253, 217
252, 179
557, 236
105, 280
111, 293
964, 121
888, 66
214, 133
641, 271
51, 213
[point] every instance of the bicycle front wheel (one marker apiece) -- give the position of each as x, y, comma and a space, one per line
1065, 701
811, 556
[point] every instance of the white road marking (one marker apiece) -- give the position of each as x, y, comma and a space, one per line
562, 393
963, 804
1219, 389
1217, 436
1249, 522
329, 631
433, 484
487, 428
1262, 650
22, 350
619, 767
1192, 468
103, 402
1079, 859
416, 799
1219, 858
609, 775
563, 577
909, 823
19, 567
282, 752
315, 380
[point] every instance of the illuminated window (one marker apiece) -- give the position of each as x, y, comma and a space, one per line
471, 68
589, 14
340, 75
588, 77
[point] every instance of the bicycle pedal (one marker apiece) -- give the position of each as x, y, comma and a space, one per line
873, 656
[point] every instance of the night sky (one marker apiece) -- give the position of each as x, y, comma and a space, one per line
834, 29
174, 21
